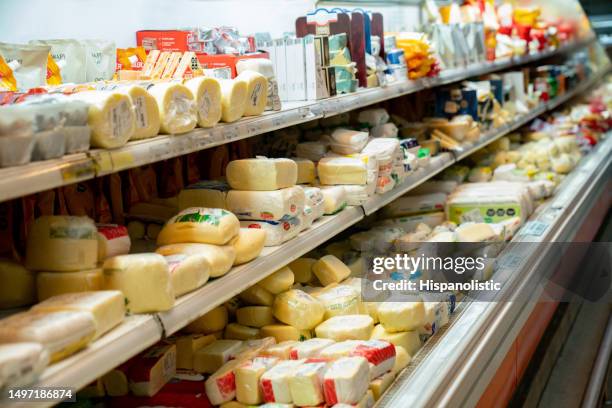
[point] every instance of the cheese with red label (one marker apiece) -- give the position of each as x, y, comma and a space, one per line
346, 380
306, 384
113, 240
380, 355
309, 348
266, 205
221, 386
248, 376
346, 327
200, 225
275, 382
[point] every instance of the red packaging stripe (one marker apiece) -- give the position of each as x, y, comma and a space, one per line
113, 231
267, 390
293, 354
329, 389
374, 355
227, 384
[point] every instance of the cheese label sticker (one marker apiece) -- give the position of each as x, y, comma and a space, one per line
67, 232
119, 119
142, 121
209, 216
205, 104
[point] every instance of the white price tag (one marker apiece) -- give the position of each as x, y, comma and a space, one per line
534, 228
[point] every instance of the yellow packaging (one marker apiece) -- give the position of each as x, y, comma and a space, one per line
7, 79
54, 77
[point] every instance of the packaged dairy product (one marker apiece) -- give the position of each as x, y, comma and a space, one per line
408, 340
200, 225
220, 257
475, 232
379, 385
146, 112
21, 363
152, 369
298, 309
342, 170
237, 331
50, 284
210, 358
308, 348
339, 300
213, 321
380, 355
306, 384
402, 359
257, 92
62, 243
409, 223
207, 193
411, 205
401, 316
144, 280
19, 285
248, 376
283, 333
346, 327
234, 99
107, 307
257, 295
314, 151
279, 281
221, 386
302, 269
315, 200
275, 205
277, 232
248, 244
113, 240
330, 269
188, 272
187, 345
275, 382
306, 170
346, 380
62, 333
207, 94
386, 130
177, 108
347, 141
335, 199
261, 174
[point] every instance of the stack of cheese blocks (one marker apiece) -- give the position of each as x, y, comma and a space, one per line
264, 196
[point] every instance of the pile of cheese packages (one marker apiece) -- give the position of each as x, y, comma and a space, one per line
69, 119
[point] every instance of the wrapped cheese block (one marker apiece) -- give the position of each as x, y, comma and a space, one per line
113, 240
335, 199
408, 340
346, 380
21, 363
146, 112
106, 306
255, 316
177, 107
373, 117
277, 232
188, 272
200, 225
401, 316
306, 170
314, 151
144, 280
342, 170
257, 92
152, 369
379, 385
415, 204
330, 269
187, 345
315, 200
248, 376
283, 333
50, 284
221, 386
380, 355
278, 205
207, 93
62, 332
234, 99
340, 300
279, 281
340, 349
275, 382
220, 257
248, 244
346, 141
207, 193
306, 384
111, 117
298, 309
62, 243
280, 350
386, 130
261, 174
309, 348
347, 327
213, 356
19, 285
256, 295
402, 359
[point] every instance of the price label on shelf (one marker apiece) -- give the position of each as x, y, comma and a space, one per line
122, 160
103, 163
73, 172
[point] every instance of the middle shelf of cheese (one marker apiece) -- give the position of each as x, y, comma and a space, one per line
139, 332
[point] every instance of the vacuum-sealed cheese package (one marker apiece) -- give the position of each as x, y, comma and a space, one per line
177, 107
207, 94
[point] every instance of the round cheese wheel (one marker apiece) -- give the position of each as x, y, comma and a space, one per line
200, 225
207, 94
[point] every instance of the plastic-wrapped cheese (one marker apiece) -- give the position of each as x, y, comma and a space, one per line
346, 380
146, 112
380, 355
408, 340
207, 193
234, 99
113, 240
306, 384
107, 307
21, 363
220, 257
279, 281
207, 93
221, 386
379, 385
261, 174
50, 284
266, 205
187, 345
346, 327
213, 321
475, 232
401, 316
314, 151
330, 269
144, 280
347, 141
335, 199
306, 170
255, 316
277, 232
188, 272
257, 92
302, 269
339, 300
18, 285
386, 130
177, 108
340, 349
200, 225
309, 348
402, 359
298, 309
315, 200
275, 382
411, 205
62, 243
111, 117
248, 376
342, 170
248, 244
211, 357
62, 332
282, 333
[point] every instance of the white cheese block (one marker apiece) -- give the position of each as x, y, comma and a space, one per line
401, 316
280, 350
188, 272
18, 285
248, 244
146, 112
62, 333
315, 200
248, 376
347, 327
206, 91
237, 331
279, 281
402, 359
113, 240
213, 356
111, 117
335, 199
306, 170
437, 315
212, 321
346, 380
50, 284
380, 355
207, 193
283, 332
347, 141
342, 170
107, 307
302, 269
144, 280
257, 92
266, 205
340, 300
220, 257
21, 363
255, 316
261, 174
221, 386
275, 382
256, 295
234, 99
340, 349
177, 108
200, 225
306, 384
277, 232
62, 244
309, 348
475, 232
408, 340
330, 269
298, 309
187, 345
